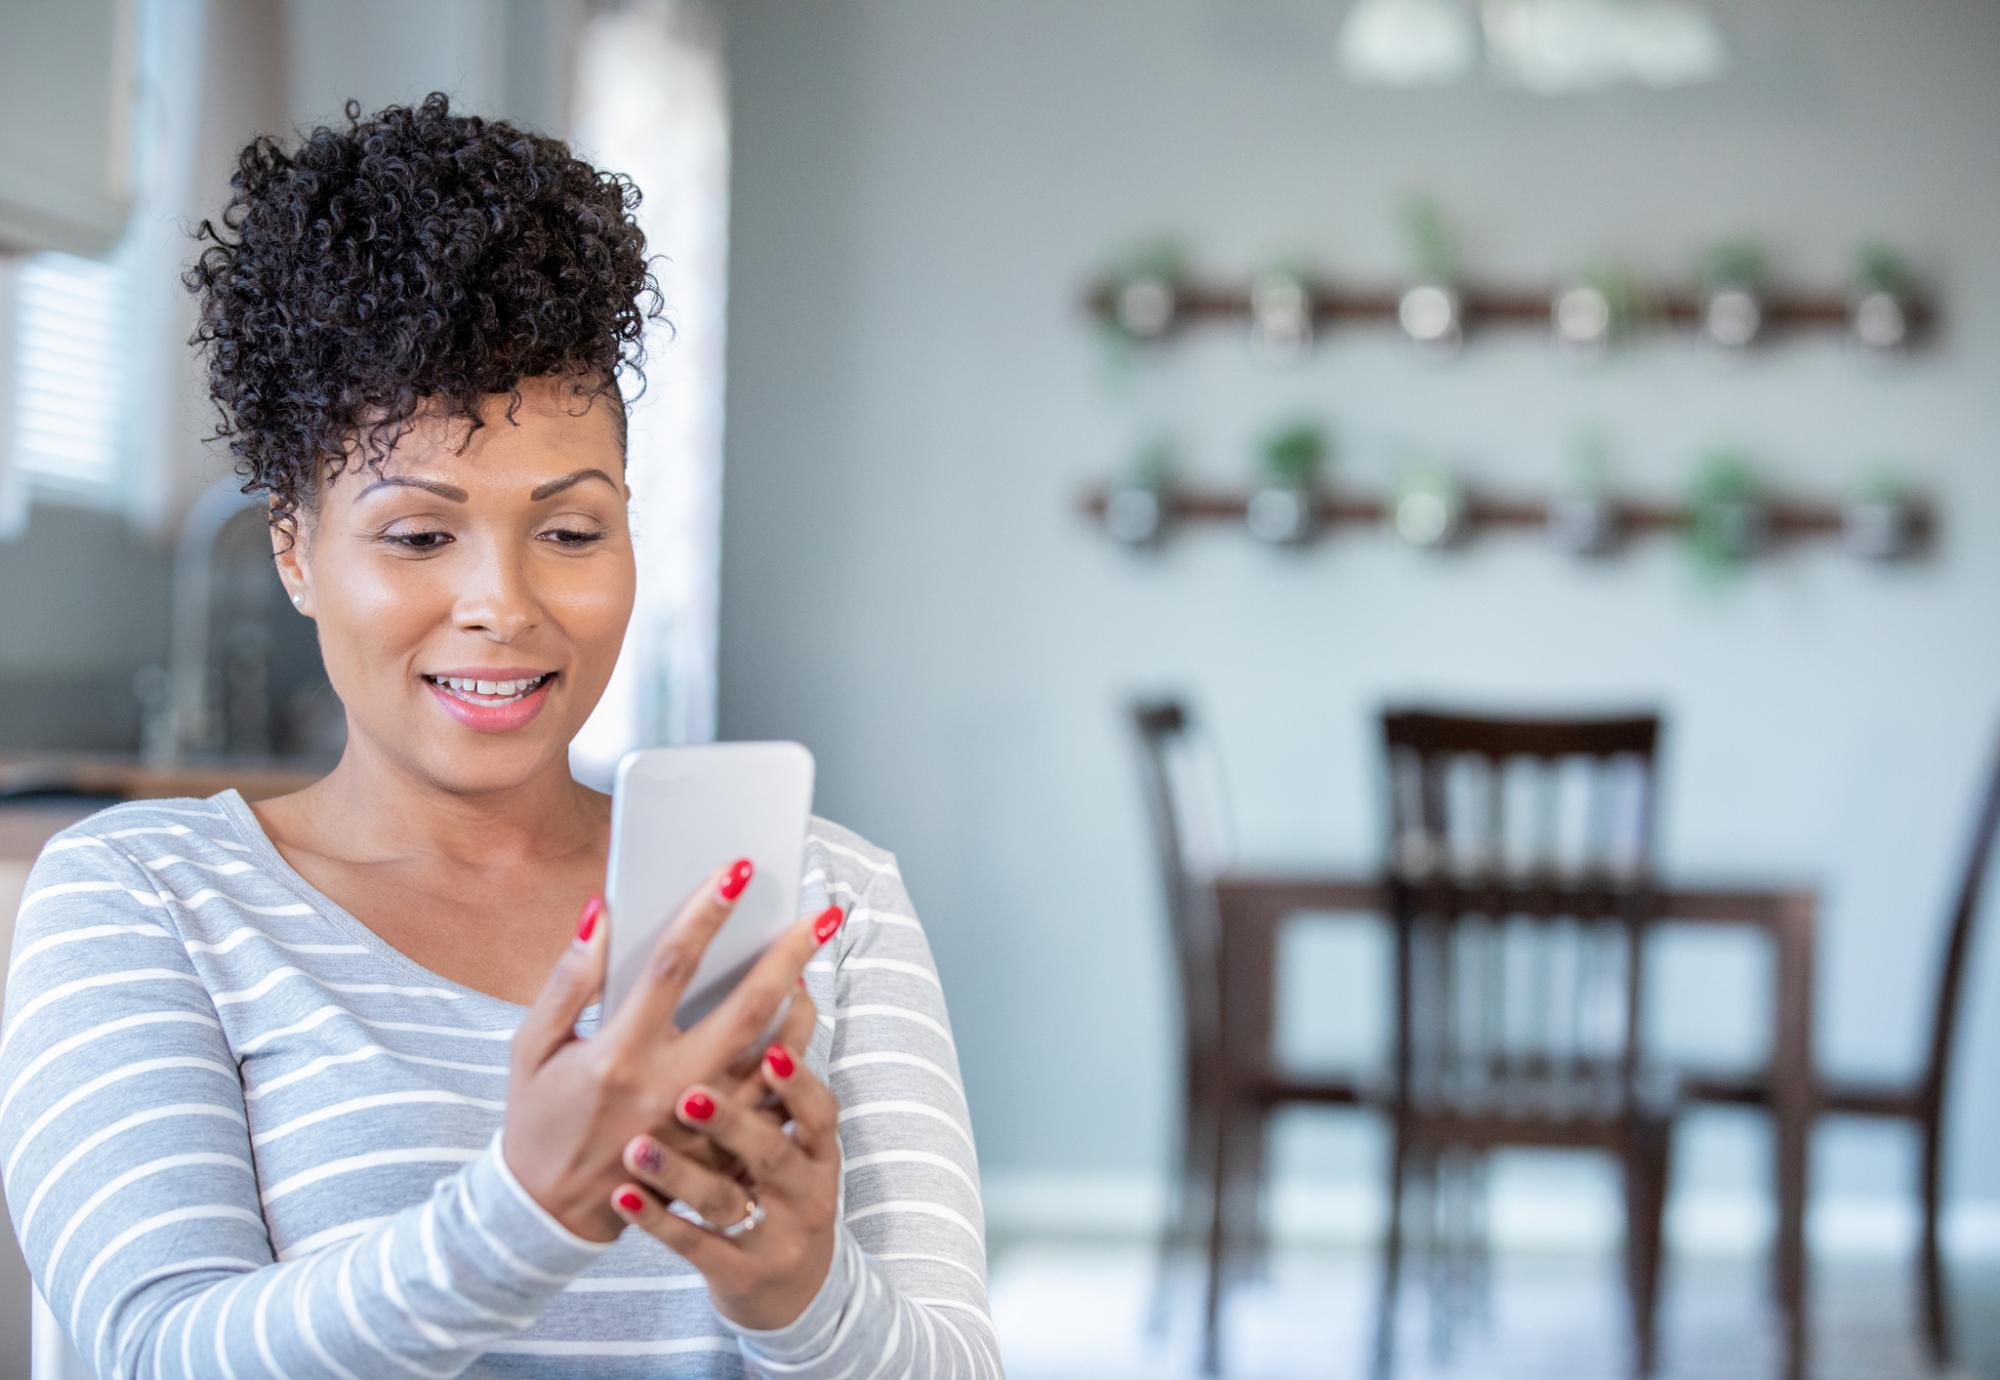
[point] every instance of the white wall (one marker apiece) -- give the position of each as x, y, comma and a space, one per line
498, 58
920, 189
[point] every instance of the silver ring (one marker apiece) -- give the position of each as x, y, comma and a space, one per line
752, 1215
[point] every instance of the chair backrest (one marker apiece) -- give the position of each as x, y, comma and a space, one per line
1181, 783
1476, 795
1958, 943
1518, 865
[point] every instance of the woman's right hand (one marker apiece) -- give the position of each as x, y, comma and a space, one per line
573, 1103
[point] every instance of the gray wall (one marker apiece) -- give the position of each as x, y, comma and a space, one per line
914, 402
82, 607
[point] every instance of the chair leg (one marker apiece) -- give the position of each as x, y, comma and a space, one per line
1435, 1172
1234, 1197
1253, 1225
1647, 1162
1243, 1193
1392, 1261
1467, 1248
1937, 1325
1218, 1204
1187, 1218
1447, 1292
1479, 1225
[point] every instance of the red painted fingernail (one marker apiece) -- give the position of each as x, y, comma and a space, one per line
733, 881
698, 1106
646, 1154
587, 922
630, 1201
828, 922
779, 1060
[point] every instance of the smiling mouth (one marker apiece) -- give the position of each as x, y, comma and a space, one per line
490, 692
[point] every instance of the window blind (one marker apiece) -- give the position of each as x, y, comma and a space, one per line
68, 373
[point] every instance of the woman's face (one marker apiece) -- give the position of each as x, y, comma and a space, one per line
470, 606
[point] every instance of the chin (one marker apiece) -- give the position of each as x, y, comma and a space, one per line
488, 772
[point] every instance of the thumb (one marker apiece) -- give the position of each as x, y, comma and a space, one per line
577, 977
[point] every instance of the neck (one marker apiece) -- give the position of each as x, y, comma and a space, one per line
379, 809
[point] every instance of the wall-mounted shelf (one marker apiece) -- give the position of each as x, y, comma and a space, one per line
1782, 313
1788, 520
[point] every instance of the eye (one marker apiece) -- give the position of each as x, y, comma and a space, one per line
575, 536
417, 541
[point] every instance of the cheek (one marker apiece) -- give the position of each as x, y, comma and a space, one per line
377, 616
597, 605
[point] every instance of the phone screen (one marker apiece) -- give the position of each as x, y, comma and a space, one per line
678, 814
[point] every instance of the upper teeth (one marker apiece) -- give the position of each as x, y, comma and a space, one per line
488, 687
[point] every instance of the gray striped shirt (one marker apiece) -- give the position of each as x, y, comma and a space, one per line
241, 1136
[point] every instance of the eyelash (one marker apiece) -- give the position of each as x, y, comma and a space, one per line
409, 541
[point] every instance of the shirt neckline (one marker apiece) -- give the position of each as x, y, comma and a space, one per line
243, 820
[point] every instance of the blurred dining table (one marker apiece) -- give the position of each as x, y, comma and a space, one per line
1255, 903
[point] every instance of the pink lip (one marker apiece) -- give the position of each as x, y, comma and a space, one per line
491, 672
494, 718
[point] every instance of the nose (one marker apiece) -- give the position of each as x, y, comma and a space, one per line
498, 597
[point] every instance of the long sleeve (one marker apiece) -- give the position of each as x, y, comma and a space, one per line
129, 1171
906, 1295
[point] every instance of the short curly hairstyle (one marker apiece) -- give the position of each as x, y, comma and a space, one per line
414, 262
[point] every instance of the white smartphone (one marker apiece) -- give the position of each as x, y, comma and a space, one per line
678, 814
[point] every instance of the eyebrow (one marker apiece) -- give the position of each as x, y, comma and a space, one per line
458, 495
556, 486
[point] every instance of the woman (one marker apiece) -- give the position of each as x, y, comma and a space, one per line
318, 1086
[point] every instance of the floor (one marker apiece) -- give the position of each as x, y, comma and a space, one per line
1078, 1312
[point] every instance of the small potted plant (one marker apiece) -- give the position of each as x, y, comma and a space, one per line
1137, 508
1600, 311
1281, 314
1431, 311
1880, 312
1732, 278
1283, 502
1882, 519
1146, 290
1728, 521
1583, 517
1428, 510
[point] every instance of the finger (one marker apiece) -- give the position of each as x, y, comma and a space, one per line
649, 1007
577, 977
795, 1032
713, 1193
772, 1158
814, 1110
801, 1021
745, 1014
695, 1146
706, 1250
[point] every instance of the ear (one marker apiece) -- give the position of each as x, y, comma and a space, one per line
289, 554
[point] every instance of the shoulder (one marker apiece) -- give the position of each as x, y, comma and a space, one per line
99, 880
852, 863
134, 830
123, 851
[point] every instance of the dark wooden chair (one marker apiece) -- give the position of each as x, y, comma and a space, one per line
1518, 872
1163, 733
1217, 1183
1919, 1103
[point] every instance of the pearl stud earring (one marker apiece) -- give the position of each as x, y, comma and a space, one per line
298, 601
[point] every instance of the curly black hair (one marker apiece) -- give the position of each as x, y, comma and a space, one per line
415, 261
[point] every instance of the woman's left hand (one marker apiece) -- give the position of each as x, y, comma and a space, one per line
761, 1277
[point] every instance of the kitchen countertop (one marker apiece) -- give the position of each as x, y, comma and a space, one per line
25, 825
24, 828
128, 776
